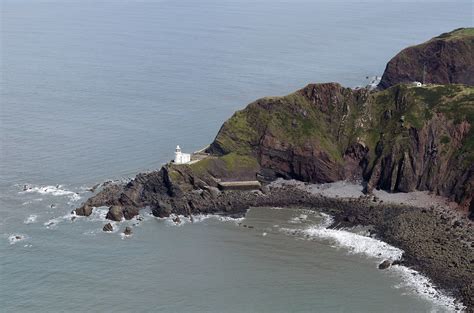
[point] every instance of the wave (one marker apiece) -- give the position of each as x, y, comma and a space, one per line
422, 285
31, 219
373, 248
56, 191
14, 238
180, 220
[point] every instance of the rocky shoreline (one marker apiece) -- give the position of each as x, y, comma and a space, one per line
436, 243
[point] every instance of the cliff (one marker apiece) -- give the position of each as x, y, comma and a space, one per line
405, 138
446, 59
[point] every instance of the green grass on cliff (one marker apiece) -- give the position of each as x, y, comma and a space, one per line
291, 119
231, 164
459, 33
297, 121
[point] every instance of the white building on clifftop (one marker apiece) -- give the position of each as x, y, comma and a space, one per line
181, 158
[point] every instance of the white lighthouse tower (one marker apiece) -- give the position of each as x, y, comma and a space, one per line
180, 157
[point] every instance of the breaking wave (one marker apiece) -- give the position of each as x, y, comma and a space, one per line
14, 238
31, 219
376, 249
56, 191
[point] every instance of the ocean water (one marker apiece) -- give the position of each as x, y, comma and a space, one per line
98, 90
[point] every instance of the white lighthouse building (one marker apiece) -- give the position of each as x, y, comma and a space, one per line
181, 158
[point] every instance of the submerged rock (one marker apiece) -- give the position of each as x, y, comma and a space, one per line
127, 231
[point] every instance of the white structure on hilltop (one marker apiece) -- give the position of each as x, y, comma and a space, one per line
417, 84
181, 158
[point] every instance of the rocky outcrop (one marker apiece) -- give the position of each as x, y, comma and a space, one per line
446, 59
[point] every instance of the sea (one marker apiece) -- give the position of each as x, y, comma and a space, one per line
94, 91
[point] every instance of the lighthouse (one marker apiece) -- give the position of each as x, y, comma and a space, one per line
180, 157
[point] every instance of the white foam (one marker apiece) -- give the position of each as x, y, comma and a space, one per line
357, 244
124, 236
298, 219
52, 223
198, 218
422, 286
14, 238
31, 219
376, 249
98, 214
56, 191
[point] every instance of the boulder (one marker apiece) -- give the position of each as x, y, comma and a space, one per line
108, 227
84, 210
384, 265
130, 212
115, 213
162, 209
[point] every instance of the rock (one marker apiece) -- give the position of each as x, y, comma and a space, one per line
115, 213
213, 191
177, 220
351, 219
162, 209
384, 265
84, 210
130, 212
396, 262
127, 231
108, 227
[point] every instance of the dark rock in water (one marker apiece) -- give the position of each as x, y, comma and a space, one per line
115, 213
127, 231
130, 212
108, 227
384, 265
84, 210
18, 237
177, 220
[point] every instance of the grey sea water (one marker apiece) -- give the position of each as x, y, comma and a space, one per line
98, 90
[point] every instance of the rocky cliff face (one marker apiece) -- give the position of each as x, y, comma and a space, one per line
405, 138
446, 59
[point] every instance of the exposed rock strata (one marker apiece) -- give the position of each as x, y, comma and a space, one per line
402, 139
